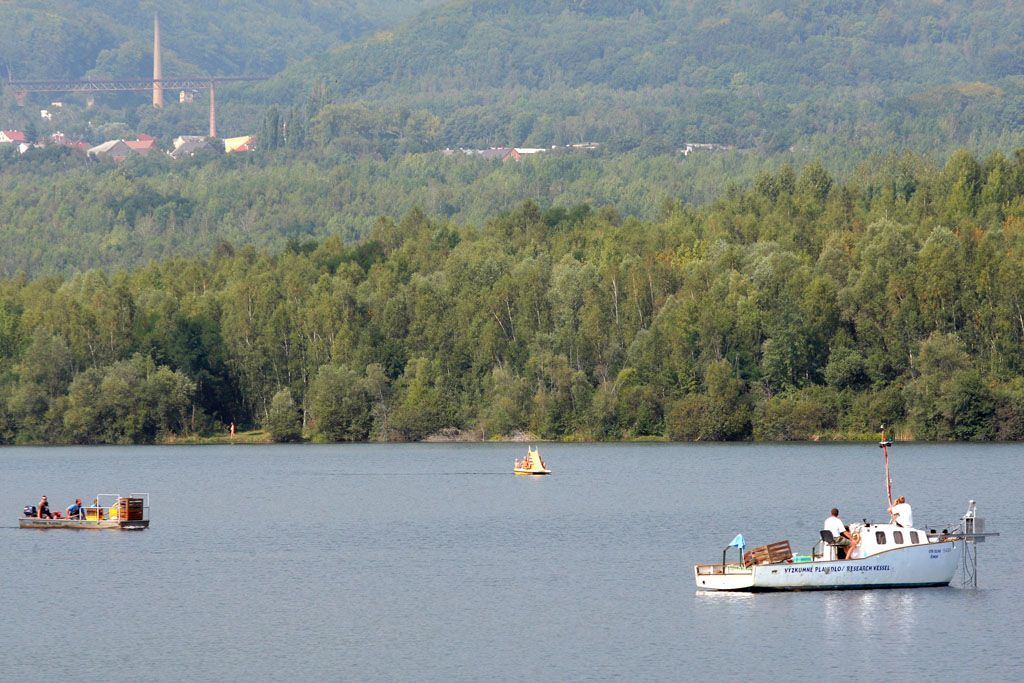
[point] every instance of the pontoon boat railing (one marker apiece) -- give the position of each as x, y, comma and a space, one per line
117, 496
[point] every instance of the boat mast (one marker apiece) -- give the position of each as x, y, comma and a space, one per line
884, 445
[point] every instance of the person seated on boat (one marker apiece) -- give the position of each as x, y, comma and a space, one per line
76, 511
43, 509
901, 513
854, 551
839, 533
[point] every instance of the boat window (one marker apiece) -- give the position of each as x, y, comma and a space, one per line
897, 537
880, 537
914, 537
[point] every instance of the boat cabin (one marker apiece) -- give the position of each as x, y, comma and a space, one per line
874, 539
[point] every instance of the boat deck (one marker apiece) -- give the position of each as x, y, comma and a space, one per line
36, 523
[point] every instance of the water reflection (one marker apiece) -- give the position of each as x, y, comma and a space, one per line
727, 597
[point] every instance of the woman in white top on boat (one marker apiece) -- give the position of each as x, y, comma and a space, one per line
901, 513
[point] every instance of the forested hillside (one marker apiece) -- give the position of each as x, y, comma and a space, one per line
60, 213
51, 39
799, 307
349, 280
104, 39
834, 80
846, 78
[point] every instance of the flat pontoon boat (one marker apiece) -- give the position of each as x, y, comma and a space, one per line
123, 512
531, 464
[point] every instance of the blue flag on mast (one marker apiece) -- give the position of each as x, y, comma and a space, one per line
738, 542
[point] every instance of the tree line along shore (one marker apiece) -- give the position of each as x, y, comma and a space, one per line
799, 307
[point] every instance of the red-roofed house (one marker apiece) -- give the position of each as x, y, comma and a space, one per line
12, 136
59, 138
143, 145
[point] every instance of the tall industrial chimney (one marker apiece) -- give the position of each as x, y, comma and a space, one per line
213, 110
158, 72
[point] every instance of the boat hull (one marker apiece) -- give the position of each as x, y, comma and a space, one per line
538, 473
126, 525
929, 564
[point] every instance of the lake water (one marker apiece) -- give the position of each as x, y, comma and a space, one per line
434, 562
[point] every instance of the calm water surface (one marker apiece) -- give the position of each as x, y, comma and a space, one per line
433, 562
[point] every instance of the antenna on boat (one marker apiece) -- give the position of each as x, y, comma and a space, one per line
884, 445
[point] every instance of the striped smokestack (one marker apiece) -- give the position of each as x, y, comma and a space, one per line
158, 72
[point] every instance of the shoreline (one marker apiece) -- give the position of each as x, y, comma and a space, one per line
263, 438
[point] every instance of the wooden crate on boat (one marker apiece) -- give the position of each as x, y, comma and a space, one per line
130, 509
769, 554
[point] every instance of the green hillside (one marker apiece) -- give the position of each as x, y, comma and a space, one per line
839, 76
351, 278
66, 39
60, 213
351, 133
835, 79
48, 39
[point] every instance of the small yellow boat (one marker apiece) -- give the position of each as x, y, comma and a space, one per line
531, 464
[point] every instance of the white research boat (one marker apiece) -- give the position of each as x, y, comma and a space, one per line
888, 556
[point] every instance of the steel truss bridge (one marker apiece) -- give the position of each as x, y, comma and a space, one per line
123, 85
22, 88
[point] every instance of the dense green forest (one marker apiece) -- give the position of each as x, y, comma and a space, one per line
798, 307
60, 213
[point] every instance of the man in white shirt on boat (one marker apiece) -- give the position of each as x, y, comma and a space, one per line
901, 513
835, 525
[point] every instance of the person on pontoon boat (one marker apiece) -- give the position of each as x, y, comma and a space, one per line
43, 509
76, 511
901, 513
835, 526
